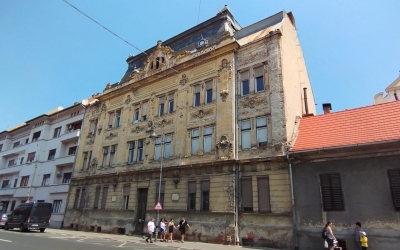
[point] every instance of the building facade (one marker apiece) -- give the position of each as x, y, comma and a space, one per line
37, 158
220, 102
344, 172
392, 93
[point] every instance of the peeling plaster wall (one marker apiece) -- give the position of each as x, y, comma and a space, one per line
367, 197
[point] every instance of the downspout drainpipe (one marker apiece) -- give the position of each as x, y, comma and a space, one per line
296, 245
236, 199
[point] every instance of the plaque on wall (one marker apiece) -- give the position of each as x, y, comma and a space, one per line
113, 198
175, 197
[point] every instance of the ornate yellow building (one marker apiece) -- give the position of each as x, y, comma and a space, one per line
216, 106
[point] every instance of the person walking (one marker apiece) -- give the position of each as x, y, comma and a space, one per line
162, 229
171, 227
330, 237
357, 232
150, 229
182, 228
364, 240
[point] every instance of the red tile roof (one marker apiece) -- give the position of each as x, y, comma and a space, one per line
377, 123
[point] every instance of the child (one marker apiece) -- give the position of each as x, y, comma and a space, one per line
364, 240
336, 245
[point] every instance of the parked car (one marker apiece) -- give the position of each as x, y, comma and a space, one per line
3, 220
30, 216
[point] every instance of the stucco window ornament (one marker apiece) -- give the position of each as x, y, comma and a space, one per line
136, 130
103, 107
115, 182
128, 99
251, 102
90, 141
183, 80
111, 135
224, 94
202, 113
150, 126
99, 130
224, 147
176, 178
94, 162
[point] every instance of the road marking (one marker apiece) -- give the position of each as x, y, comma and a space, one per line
6, 240
122, 245
97, 243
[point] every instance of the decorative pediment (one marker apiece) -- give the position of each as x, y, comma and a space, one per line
160, 59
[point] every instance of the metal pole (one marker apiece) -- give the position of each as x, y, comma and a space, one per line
33, 179
159, 182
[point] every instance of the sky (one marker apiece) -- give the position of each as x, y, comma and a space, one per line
51, 55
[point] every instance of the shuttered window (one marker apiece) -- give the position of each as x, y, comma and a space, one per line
96, 198
83, 199
205, 195
394, 179
264, 205
104, 198
247, 194
331, 190
191, 195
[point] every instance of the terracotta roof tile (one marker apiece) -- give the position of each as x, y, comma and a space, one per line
376, 123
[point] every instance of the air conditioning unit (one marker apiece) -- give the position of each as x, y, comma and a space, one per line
59, 174
28, 162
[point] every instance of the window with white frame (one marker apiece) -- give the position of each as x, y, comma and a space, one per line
11, 163
161, 106
195, 141
85, 160
125, 196
167, 145
136, 114
207, 139
52, 154
262, 130
157, 148
105, 154
114, 119
57, 132
31, 157
72, 150
170, 103
244, 85
16, 144
67, 178
36, 136
46, 180
57, 206
196, 95
209, 92
112, 154
24, 181
117, 118
144, 111
246, 133
139, 154
259, 79
92, 127
21, 160
131, 152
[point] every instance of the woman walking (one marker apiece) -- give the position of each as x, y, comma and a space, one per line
330, 237
182, 228
162, 229
171, 227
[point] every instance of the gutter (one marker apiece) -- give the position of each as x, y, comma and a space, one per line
236, 180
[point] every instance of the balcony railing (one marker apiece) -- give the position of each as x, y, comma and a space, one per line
70, 136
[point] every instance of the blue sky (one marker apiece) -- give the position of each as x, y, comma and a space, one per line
51, 55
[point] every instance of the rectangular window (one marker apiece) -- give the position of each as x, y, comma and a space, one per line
46, 180
170, 103
105, 153
36, 136
196, 95
92, 128
15, 182
394, 180
246, 134
157, 148
125, 196
167, 146
26, 142
12, 206
205, 195
259, 79
5, 184
67, 178
247, 195
195, 141
162, 192
83, 199
24, 181
1, 147
209, 92
111, 120
76, 201
262, 131
331, 190
131, 152
57, 132
264, 205
52, 154
144, 111
117, 118
72, 150
104, 198
21, 161
245, 87
161, 106
191, 195
139, 155
112, 154
31, 157
96, 198
85, 160
207, 139
11, 163
16, 144
57, 206
136, 114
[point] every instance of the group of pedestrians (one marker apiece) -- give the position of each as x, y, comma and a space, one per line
332, 243
164, 225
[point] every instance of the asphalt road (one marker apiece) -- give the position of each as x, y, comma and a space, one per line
34, 240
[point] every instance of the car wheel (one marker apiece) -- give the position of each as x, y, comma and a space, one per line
6, 227
42, 230
21, 228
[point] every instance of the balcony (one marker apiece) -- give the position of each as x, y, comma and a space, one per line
7, 191
23, 192
64, 161
5, 170
57, 189
14, 151
70, 136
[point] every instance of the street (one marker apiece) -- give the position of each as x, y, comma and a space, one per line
34, 240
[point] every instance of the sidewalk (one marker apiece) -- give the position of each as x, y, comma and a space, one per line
188, 245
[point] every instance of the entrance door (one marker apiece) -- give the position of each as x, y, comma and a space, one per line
141, 210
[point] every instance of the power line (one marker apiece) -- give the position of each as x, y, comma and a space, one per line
86, 15
198, 15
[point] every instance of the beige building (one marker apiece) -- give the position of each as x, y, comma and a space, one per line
392, 93
222, 102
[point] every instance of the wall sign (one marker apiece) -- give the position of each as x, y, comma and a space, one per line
175, 197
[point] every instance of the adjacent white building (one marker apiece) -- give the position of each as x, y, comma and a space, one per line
37, 160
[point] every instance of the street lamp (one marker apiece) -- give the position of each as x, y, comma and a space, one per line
154, 136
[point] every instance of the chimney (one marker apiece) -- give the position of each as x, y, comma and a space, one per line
327, 107
305, 100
